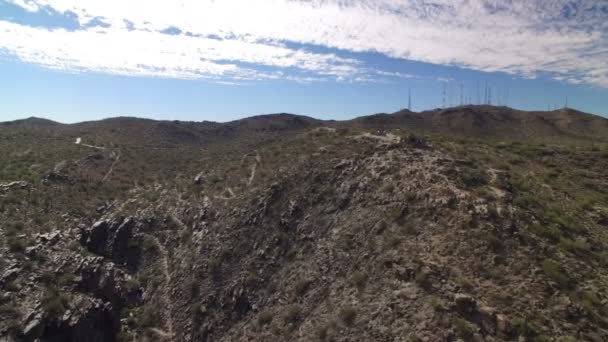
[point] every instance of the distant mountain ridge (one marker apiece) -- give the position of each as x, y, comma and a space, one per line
471, 120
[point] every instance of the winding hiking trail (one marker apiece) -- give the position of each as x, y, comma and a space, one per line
116, 159
258, 161
167, 295
112, 154
79, 142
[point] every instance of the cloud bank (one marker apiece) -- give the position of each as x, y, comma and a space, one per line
255, 39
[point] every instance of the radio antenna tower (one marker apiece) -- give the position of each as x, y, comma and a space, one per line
409, 99
461, 94
443, 103
490, 96
485, 94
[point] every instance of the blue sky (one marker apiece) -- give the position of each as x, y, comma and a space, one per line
77, 60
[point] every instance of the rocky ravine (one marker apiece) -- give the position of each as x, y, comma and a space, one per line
380, 241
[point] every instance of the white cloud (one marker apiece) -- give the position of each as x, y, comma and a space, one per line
28, 5
522, 37
151, 53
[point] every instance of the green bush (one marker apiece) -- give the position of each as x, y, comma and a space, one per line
525, 328
578, 246
264, 318
422, 279
359, 280
473, 177
548, 232
463, 328
391, 241
293, 314
436, 303
322, 333
150, 317
556, 273
16, 245
348, 315
301, 287
54, 303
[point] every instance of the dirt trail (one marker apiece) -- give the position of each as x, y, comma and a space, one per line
252, 176
79, 142
493, 181
232, 195
258, 161
167, 294
116, 159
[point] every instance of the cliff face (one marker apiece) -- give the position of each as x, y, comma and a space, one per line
326, 233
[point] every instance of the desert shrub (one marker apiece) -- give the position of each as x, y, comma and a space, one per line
556, 273
567, 222
133, 283
589, 300
301, 287
422, 279
359, 280
391, 241
525, 328
322, 332
149, 317
293, 314
525, 200
54, 303
11, 286
65, 279
348, 315
464, 283
548, 232
495, 243
15, 245
436, 303
388, 188
264, 318
578, 246
463, 328
252, 280
473, 177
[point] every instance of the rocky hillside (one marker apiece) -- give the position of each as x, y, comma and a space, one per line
291, 229
497, 123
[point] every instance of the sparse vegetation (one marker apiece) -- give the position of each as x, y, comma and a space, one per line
54, 302
301, 287
556, 273
330, 226
293, 314
359, 280
347, 315
463, 328
265, 318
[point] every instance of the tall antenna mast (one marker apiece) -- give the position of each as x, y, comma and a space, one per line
478, 99
497, 96
409, 100
444, 90
566, 106
461, 94
490, 96
485, 96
